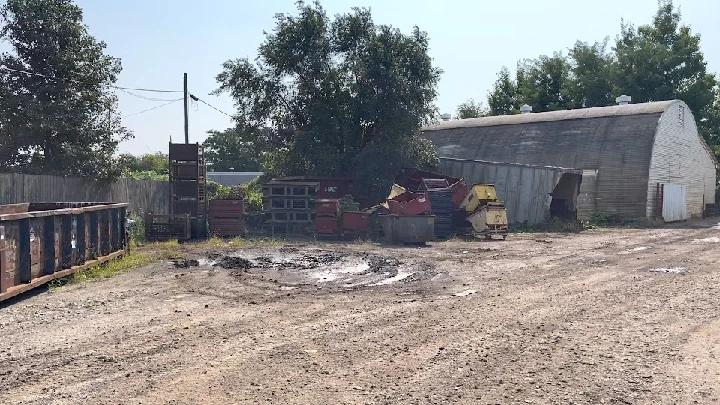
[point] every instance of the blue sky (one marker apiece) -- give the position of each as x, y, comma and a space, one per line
158, 40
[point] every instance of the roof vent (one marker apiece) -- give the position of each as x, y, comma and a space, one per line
623, 100
446, 117
525, 109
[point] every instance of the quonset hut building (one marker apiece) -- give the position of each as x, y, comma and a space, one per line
635, 160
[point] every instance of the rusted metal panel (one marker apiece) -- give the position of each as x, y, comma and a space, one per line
38, 246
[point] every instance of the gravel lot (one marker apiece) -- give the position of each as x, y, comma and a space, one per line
604, 316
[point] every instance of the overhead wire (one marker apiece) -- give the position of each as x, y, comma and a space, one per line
150, 109
146, 98
81, 82
194, 97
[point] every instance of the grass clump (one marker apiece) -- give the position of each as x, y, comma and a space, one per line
549, 226
106, 270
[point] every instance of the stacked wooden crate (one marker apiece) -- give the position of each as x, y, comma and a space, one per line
289, 205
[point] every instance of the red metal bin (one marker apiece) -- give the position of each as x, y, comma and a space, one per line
326, 226
327, 208
355, 223
409, 204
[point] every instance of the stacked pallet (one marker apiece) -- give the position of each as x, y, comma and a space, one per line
289, 205
188, 185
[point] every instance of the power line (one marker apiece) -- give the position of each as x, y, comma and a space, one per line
208, 104
80, 82
150, 109
146, 98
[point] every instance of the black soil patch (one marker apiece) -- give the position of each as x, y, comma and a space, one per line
382, 264
229, 262
185, 263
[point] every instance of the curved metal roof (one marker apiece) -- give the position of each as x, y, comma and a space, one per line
594, 112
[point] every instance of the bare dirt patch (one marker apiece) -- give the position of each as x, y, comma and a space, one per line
539, 318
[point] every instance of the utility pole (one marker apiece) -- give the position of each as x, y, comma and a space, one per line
185, 96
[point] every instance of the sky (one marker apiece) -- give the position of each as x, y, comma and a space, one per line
470, 40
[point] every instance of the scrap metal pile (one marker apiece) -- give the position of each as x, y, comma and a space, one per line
456, 208
422, 206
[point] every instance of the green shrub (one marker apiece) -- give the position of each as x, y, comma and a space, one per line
602, 218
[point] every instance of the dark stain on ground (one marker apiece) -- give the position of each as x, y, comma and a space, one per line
185, 263
230, 262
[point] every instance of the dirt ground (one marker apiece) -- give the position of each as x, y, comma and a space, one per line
604, 316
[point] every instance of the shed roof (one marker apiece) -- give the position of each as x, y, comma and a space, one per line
593, 112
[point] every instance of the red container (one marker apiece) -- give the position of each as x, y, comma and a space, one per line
355, 223
326, 226
409, 204
459, 191
226, 208
328, 208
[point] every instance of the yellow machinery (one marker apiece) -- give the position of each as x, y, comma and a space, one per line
489, 220
478, 195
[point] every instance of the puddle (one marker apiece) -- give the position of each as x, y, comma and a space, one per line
400, 276
635, 250
465, 293
714, 239
323, 268
675, 270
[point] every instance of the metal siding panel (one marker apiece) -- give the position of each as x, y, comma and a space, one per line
680, 158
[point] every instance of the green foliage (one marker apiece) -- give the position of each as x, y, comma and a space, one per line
65, 121
109, 269
503, 98
471, 109
146, 175
150, 162
602, 218
553, 225
348, 203
592, 75
338, 96
663, 61
235, 149
541, 83
137, 231
250, 192
658, 61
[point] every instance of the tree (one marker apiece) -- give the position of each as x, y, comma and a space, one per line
471, 109
235, 150
503, 96
591, 75
663, 61
329, 91
150, 166
659, 61
542, 83
61, 118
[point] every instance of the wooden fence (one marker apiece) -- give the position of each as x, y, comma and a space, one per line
143, 195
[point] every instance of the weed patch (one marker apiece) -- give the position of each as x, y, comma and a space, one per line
106, 270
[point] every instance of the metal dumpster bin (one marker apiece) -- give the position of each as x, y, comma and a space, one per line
399, 229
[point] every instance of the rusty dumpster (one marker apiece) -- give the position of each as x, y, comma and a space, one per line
402, 229
40, 242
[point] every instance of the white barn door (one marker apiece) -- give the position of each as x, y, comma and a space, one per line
674, 203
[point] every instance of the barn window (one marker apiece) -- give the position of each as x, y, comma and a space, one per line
681, 115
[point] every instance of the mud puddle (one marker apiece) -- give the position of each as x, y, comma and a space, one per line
292, 266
